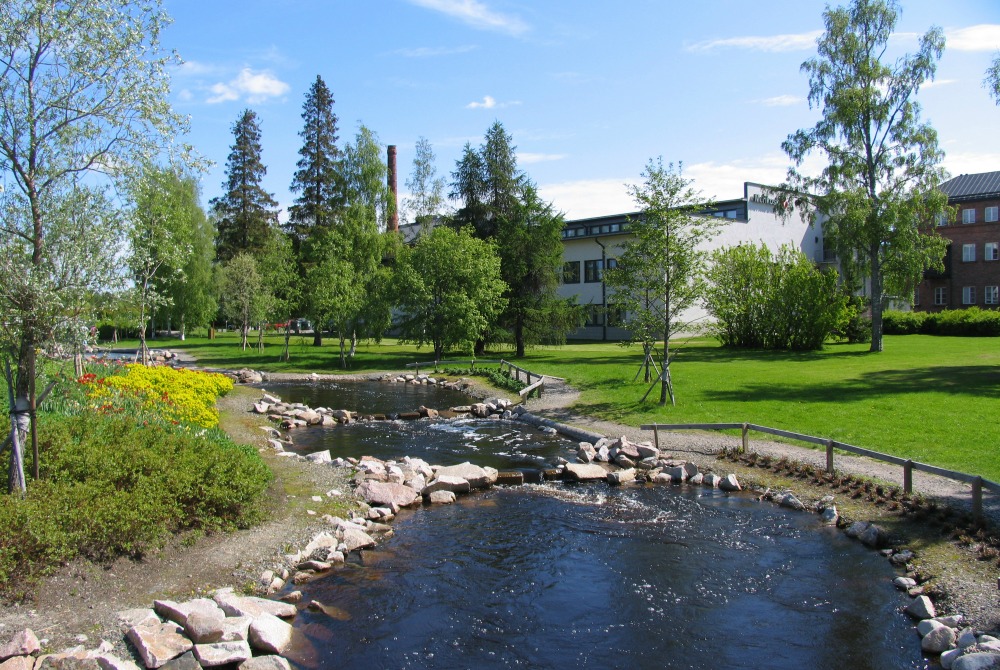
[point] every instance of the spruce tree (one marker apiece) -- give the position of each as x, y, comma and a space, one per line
318, 179
245, 213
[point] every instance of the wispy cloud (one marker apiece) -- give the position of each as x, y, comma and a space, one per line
433, 52
529, 158
477, 15
982, 37
254, 86
937, 82
589, 197
489, 102
769, 43
781, 101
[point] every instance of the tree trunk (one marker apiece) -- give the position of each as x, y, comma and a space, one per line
478, 350
244, 335
18, 432
354, 344
876, 282
285, 356
182, 327
519, 338
317, 337
260, 337
343, 350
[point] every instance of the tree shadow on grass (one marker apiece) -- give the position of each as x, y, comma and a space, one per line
974, 380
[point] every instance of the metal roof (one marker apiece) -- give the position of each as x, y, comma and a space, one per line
972, 186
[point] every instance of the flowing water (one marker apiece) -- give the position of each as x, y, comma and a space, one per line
565, 575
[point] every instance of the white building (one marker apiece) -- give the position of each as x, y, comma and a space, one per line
589, 245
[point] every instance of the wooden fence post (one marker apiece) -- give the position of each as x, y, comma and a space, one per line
416, 366
908, 476
829, 456
746, 441
656, 437
977, 500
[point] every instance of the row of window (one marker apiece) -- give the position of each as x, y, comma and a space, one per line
593, 271
990, 215
991, 252
603, 229
991, 295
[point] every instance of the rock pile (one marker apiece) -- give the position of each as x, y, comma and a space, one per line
237, 631
961, 648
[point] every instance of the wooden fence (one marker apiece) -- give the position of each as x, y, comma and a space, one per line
512, 371
908, 465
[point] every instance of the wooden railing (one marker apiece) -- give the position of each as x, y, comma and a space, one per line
437, 363
977, 482
512, 371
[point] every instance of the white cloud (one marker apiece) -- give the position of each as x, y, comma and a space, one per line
588, 197
489, 102
970, 162
769, 43
983, 37
936, 83
254, 86
529, 158
431, 52
477, 15
184, 95
782, 101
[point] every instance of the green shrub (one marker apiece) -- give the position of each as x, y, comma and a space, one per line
971, 322
111, 486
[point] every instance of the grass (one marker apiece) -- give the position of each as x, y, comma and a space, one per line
929, 398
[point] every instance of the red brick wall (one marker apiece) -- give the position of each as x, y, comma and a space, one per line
979, 273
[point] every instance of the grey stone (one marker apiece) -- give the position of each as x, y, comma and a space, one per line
712, 480
977, 661
447, 483
690, 469
904, 583
619, 477
158, 643
901, 557
872, 536
940, 639
185, 661
203, 628
384, 494
921, 608
221, 653
966, 638
586, 472
476, 476
234, 605
791, 502
269, 662
136, 617
270, 634
948, 658
235, 628
108, 661
441, 497
730, 483
829, 515
696, 479
320, 456
856, 528
676, 473
927, 625
357, 539
23, 643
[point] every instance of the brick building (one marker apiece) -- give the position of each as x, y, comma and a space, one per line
971, 274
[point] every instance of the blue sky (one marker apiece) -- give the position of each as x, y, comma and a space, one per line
589, 90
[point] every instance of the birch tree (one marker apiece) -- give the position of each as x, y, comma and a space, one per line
83, 90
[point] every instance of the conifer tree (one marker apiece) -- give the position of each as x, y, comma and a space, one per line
246, 212
318, 180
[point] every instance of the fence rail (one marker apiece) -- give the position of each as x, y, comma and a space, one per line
514, 371
977, 482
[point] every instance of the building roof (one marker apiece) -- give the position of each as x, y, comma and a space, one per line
972, 186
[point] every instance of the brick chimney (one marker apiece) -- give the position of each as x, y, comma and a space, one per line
393, 188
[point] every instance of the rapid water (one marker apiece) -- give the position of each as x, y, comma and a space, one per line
564, 576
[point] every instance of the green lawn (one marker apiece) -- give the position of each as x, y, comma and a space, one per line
933, 399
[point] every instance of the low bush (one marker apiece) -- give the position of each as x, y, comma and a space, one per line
110, 486
971, 322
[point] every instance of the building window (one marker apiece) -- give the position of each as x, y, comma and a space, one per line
968, 295
941, 219
571, 272
991, 214
592, 271
595, 315
991, 295
940, 295
968, 253
992, 251
615, 316
968, 216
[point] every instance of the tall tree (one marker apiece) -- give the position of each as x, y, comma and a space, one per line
317, 181
83, 90
660, 272
242, 294
165, 212
194, 303
245, 213
878, 189
426, 189
501, 204
365, 176
450, 289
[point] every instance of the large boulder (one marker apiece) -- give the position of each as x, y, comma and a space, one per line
478, 478
270, 634
235, 605
730, 483
158, 643
385, 494
354, 538
977, 661
23, 643
269, 662
585, 472
619, 477
921, 608
223, 653
447, 483
179, 612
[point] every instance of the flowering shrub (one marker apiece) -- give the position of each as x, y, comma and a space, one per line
176, 395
